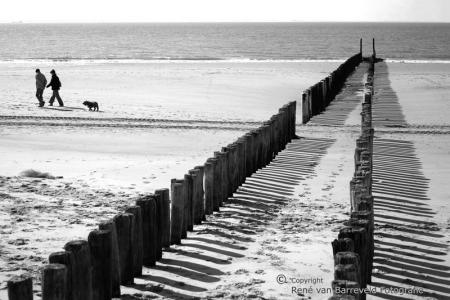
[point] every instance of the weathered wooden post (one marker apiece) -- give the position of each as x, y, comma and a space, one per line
81, 269
228, 167
217, 184
54, 282
165, 218
100, 247
182, 202
347, 285
255, 150
64, 258
309, 103
219, 179
199, 203
124, 225
20, 288
359, 237
177, 212
241, 159
159, 204
305, 108
276, 124
209, 187
327, 91
260, 135
136, 239
248, 156
144, 204
153, 233
345, 272
265, 143
115, 258
188, 224
195, 194
343, 245
224, 175
374, 52
360, 46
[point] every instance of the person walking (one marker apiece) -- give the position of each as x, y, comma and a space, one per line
41, 81
55, 83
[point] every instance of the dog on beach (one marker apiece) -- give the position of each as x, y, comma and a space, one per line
91, 105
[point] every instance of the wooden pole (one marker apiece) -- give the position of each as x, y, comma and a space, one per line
189, 184
159, 223
81, 269
374, 52
54, 277
342, 245
351, 286
200, 203
217, 188
144, 204
20, 288
176, 213
124, 227
137, 239
209, 187
360, 46
110, 225
194, 173
100, 242
64, 258
165, 219
153, 234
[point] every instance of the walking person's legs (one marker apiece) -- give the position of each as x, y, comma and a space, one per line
39, 93
52, 98
58, 97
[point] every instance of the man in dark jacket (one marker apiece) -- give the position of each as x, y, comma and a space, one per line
56, 85
41, 81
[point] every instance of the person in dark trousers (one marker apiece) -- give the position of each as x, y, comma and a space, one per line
41, 81
56, 85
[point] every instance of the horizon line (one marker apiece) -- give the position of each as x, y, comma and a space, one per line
217, 22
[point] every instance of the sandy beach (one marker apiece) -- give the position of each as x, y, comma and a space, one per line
159, 120
107, 159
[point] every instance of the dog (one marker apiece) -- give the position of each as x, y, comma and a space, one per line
91, 105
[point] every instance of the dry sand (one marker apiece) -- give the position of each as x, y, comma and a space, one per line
239, 252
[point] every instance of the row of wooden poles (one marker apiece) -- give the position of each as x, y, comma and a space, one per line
114, 254
353, 250
316, 98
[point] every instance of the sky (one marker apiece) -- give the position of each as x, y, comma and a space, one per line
68, 11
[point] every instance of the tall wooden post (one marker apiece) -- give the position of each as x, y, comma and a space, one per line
374, 53
360, 46
81, 269
177, 212
165, 217
136, 239
64, 258
115, 259
124, 227
54, 277
100, 247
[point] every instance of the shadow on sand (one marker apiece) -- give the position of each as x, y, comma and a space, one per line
409, 249
226, 235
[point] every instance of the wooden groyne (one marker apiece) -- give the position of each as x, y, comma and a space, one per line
353, 250
318, 97
115, 254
